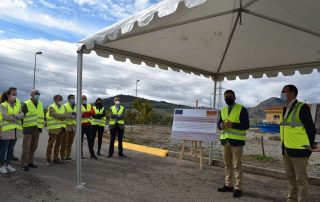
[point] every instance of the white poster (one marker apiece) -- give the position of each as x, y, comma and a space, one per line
195, 124
316, 119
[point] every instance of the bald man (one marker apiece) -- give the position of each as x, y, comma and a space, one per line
32, 127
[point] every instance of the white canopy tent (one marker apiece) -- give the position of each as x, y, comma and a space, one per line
214, 38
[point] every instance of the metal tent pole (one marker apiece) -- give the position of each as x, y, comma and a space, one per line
214, 106
80, 184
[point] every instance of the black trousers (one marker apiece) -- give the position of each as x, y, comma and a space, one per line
88, 131
114, 132
100, 130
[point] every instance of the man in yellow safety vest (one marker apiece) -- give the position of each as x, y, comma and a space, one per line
116, 125
33, 123
56, 117
297, 133
87, 113
234, 122
68, 139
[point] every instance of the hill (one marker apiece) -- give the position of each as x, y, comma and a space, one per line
160, 106
257, 114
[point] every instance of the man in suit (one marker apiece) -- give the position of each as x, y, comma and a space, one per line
116, 125
297, 133
234, 122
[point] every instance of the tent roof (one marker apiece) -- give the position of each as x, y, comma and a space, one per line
218, 38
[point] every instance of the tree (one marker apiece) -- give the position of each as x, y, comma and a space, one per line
154, 118
144, 109
130, 118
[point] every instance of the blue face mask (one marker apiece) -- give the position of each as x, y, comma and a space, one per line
72, 101
36, 97
84, 102
284, 97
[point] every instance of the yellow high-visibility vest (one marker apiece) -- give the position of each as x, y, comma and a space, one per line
55, 123
98, 122
34, 116
114, 111
12, 110
83, 109
234, 117
293, 134
1, 117
70, 121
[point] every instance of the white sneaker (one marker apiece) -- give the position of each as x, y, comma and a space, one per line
10, 169
3, 170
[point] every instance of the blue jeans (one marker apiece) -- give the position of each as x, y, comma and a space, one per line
6, 150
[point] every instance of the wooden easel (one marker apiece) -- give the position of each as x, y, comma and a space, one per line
194, 151
194, 148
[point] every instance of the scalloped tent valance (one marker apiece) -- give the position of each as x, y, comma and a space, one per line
218, 38
214, 38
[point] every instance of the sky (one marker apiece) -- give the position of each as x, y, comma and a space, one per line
54, 27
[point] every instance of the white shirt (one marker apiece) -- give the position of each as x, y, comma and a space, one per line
288, 108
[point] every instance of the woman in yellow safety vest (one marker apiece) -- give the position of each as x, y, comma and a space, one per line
98, 122
11, 128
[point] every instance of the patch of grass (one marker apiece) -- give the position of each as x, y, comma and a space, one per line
277, 138
261, 158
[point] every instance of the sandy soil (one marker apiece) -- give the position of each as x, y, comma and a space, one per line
161, 137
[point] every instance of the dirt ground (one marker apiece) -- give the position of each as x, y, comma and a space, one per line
160, 136
139, 177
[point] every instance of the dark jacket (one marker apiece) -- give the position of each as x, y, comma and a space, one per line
243, 125
307, 121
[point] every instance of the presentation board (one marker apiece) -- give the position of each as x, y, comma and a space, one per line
194, 124
315, 110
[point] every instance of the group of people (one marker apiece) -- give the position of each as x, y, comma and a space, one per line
27, 120
297, 134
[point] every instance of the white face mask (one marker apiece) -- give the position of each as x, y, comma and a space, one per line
117, 102
72, 101
60, 102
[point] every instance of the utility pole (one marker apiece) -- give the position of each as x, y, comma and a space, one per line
35, 67
137, 88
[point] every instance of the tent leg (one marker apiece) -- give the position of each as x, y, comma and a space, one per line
214, 106
80, 184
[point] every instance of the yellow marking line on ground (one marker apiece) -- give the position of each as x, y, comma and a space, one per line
144, 149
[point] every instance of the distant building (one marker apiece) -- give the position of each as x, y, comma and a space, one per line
273, 114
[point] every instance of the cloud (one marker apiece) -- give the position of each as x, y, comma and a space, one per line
114, 10
19, 10
56, 74
141, 4
82, 2
47, 4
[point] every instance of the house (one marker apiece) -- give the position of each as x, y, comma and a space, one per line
273, 114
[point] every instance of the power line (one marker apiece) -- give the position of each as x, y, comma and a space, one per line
33, 30
134, 73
